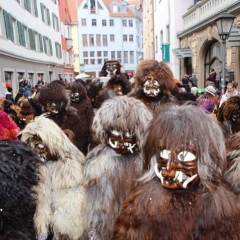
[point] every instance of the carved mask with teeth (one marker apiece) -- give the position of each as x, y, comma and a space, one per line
118, 89
51, 108
122, 142
37, 144
177, 169
151, 87
75, 96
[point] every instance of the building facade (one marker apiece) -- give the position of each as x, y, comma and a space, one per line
200, 36
30, 42
109, 30
168, 22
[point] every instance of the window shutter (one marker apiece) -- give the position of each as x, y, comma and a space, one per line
57, 24
42, 11
35, 8
53, 20
19, 33
40, 42
50, 46
48, 17
10, 23
30, 37
23, 35
5, 15
45, 44
56, 49
60, 50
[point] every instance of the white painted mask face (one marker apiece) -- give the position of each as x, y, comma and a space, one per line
122, 142
177, 169
151, 87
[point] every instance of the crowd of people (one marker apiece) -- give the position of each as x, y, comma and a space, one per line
151, 157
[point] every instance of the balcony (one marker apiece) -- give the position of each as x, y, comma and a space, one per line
204, 10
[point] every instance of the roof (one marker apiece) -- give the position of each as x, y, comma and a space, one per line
72, 8
107, 4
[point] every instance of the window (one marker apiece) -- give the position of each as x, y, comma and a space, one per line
98, 38
123, 7
119, 56
31, 38
130, 23
104, 22
111, 22
138, 42
27, 5
85, 61
58, 49
21, 35
94, 22
85, 54
99, 61
131, 38
45, 14
8, 25
105, 53
83, 22
124, 23
124, 38
131, 53
91, 40
93, 6
156, 43
112, 54
47, 43
36, 41
92, 54
112, 38
84, 40
105, 42
125, 56
92, 61
115, 8
161, 39
99, 54
40, 40
55, 22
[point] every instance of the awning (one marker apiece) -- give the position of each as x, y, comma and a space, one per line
234, 38
182, 52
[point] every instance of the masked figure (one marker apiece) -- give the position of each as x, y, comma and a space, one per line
229, 116
231, 174
154, 83
18, 176
181, 196
56, 102
81, 101
113, 166
60, 191
117, 85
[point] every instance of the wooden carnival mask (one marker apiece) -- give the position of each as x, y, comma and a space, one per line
177, 168
151, 87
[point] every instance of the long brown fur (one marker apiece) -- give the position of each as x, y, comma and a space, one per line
164, 76
207, 211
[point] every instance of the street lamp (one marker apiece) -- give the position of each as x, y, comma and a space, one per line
224, 24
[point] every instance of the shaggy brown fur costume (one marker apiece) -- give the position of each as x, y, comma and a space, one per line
18, 176
207, 210
60, 190
232, 173
66, 116
108, 91
85, 111
163, 74
229, 116
109, 176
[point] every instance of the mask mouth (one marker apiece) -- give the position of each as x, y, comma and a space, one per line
126, 145
179, 177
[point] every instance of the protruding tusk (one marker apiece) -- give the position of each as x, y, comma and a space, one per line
159, 174
188, 181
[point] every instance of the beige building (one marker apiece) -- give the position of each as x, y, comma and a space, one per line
148, 28
200, 36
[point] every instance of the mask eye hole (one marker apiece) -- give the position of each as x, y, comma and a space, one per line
115, 132
186, 156
165, 154
128, 134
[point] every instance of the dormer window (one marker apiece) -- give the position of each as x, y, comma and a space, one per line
123, 7
115, 8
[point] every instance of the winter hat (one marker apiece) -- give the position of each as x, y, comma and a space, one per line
211, 90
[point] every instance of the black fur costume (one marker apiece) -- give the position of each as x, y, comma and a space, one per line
207, 209
66, 116
18, 176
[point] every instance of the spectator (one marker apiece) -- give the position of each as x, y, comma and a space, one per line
231, 92
9, 95
40, 81
212, 75
8, 128
28, 91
